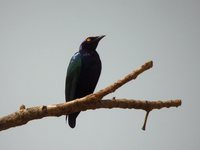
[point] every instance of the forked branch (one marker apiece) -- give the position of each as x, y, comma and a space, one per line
92, 101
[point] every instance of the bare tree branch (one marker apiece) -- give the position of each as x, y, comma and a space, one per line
92, 101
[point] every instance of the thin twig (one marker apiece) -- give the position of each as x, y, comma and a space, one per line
145, 120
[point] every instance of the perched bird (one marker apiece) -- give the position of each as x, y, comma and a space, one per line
83, 73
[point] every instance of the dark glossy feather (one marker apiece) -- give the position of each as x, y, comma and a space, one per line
82, 74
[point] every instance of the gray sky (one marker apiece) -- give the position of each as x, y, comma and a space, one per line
38, 38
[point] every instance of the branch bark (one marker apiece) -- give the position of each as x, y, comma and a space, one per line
92, 101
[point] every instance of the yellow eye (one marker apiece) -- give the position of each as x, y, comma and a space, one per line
88, 39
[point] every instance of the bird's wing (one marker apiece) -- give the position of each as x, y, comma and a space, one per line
73, 73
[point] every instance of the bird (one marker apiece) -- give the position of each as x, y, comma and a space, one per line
83, 73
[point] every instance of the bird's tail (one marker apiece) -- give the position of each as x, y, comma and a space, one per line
72, 119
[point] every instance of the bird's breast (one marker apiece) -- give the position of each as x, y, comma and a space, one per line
89, 75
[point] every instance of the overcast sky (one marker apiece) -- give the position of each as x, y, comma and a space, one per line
38, 38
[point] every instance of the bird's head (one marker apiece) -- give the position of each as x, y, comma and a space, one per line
90, 43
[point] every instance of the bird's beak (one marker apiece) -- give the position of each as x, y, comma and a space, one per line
99, 37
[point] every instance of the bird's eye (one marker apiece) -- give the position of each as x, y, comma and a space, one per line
88, 39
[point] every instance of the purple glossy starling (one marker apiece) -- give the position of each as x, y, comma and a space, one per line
83, 73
